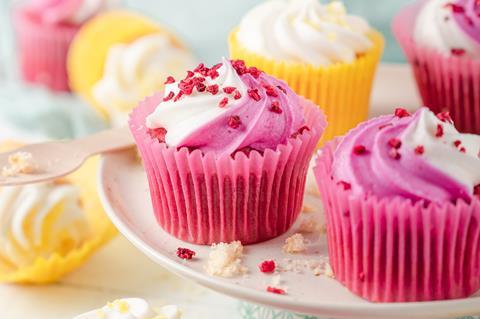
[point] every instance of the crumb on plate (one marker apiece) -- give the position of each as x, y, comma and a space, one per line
294, 244
225, 260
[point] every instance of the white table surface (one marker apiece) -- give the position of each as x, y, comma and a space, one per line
119, 270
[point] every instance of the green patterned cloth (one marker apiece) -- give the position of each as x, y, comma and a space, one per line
251, 311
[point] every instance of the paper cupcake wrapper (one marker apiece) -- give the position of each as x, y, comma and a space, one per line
202, 199
446, 83
42, 50
86, 65
393, 250
342, 90
52, 268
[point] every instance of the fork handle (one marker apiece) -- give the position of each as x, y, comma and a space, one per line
105, 141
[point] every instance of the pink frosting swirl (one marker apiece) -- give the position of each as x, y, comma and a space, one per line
419, 157
67, 11
228, 109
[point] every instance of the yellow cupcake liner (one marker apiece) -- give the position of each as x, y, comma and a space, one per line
341, 90
89, 48
50, 269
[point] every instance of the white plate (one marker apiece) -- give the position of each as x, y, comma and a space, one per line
125, 195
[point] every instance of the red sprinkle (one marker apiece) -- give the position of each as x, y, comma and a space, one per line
229, 89
213, 89
394, 154
239, 66
234, 121
476, 190
190, 74
253, 93
445, 117
455, 7
274, 290
200, 67
400, 112
179, 95
439, 132
458, 51
170, 80
267, 266
213, 73
359, 150
185, 253
254, 72
463, 150
169, 96
270, 91
275, 108
223, 102
381, 127
419, 150
158, 133
201, 87
457, 143
300, 131
237, 95
346, 186
395, 143
281, 88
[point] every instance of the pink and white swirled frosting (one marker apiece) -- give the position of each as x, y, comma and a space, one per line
450, 26
68, 11
227, 108
419, 157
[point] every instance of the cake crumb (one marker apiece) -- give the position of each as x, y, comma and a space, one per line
307, 209
20, 163
294, 244
329, 271
225, 260
309, 226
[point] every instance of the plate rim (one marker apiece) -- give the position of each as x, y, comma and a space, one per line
444, 309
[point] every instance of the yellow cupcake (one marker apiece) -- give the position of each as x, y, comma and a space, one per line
119, 57
49, 229
323, 53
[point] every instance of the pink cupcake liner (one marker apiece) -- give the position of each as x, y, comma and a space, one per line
446, 83
202, 199
393, 250
42, 50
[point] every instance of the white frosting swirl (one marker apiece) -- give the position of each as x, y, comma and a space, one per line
132, 308
461, 162
136, 70
39, 219
185, 116
435, 27
304, 31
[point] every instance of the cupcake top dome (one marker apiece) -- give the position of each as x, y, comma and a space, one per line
226, 108
68, 11
132, 308
419, 157
450, 26
304, 31
39, 220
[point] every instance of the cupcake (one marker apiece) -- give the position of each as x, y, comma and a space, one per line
49, 229
441, 39
132, 308
126, 65
323, 54
45, 29
402, 200
226, 150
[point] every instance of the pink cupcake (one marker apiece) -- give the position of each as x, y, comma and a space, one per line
45, 29
441, 39
402, 202
226, 152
